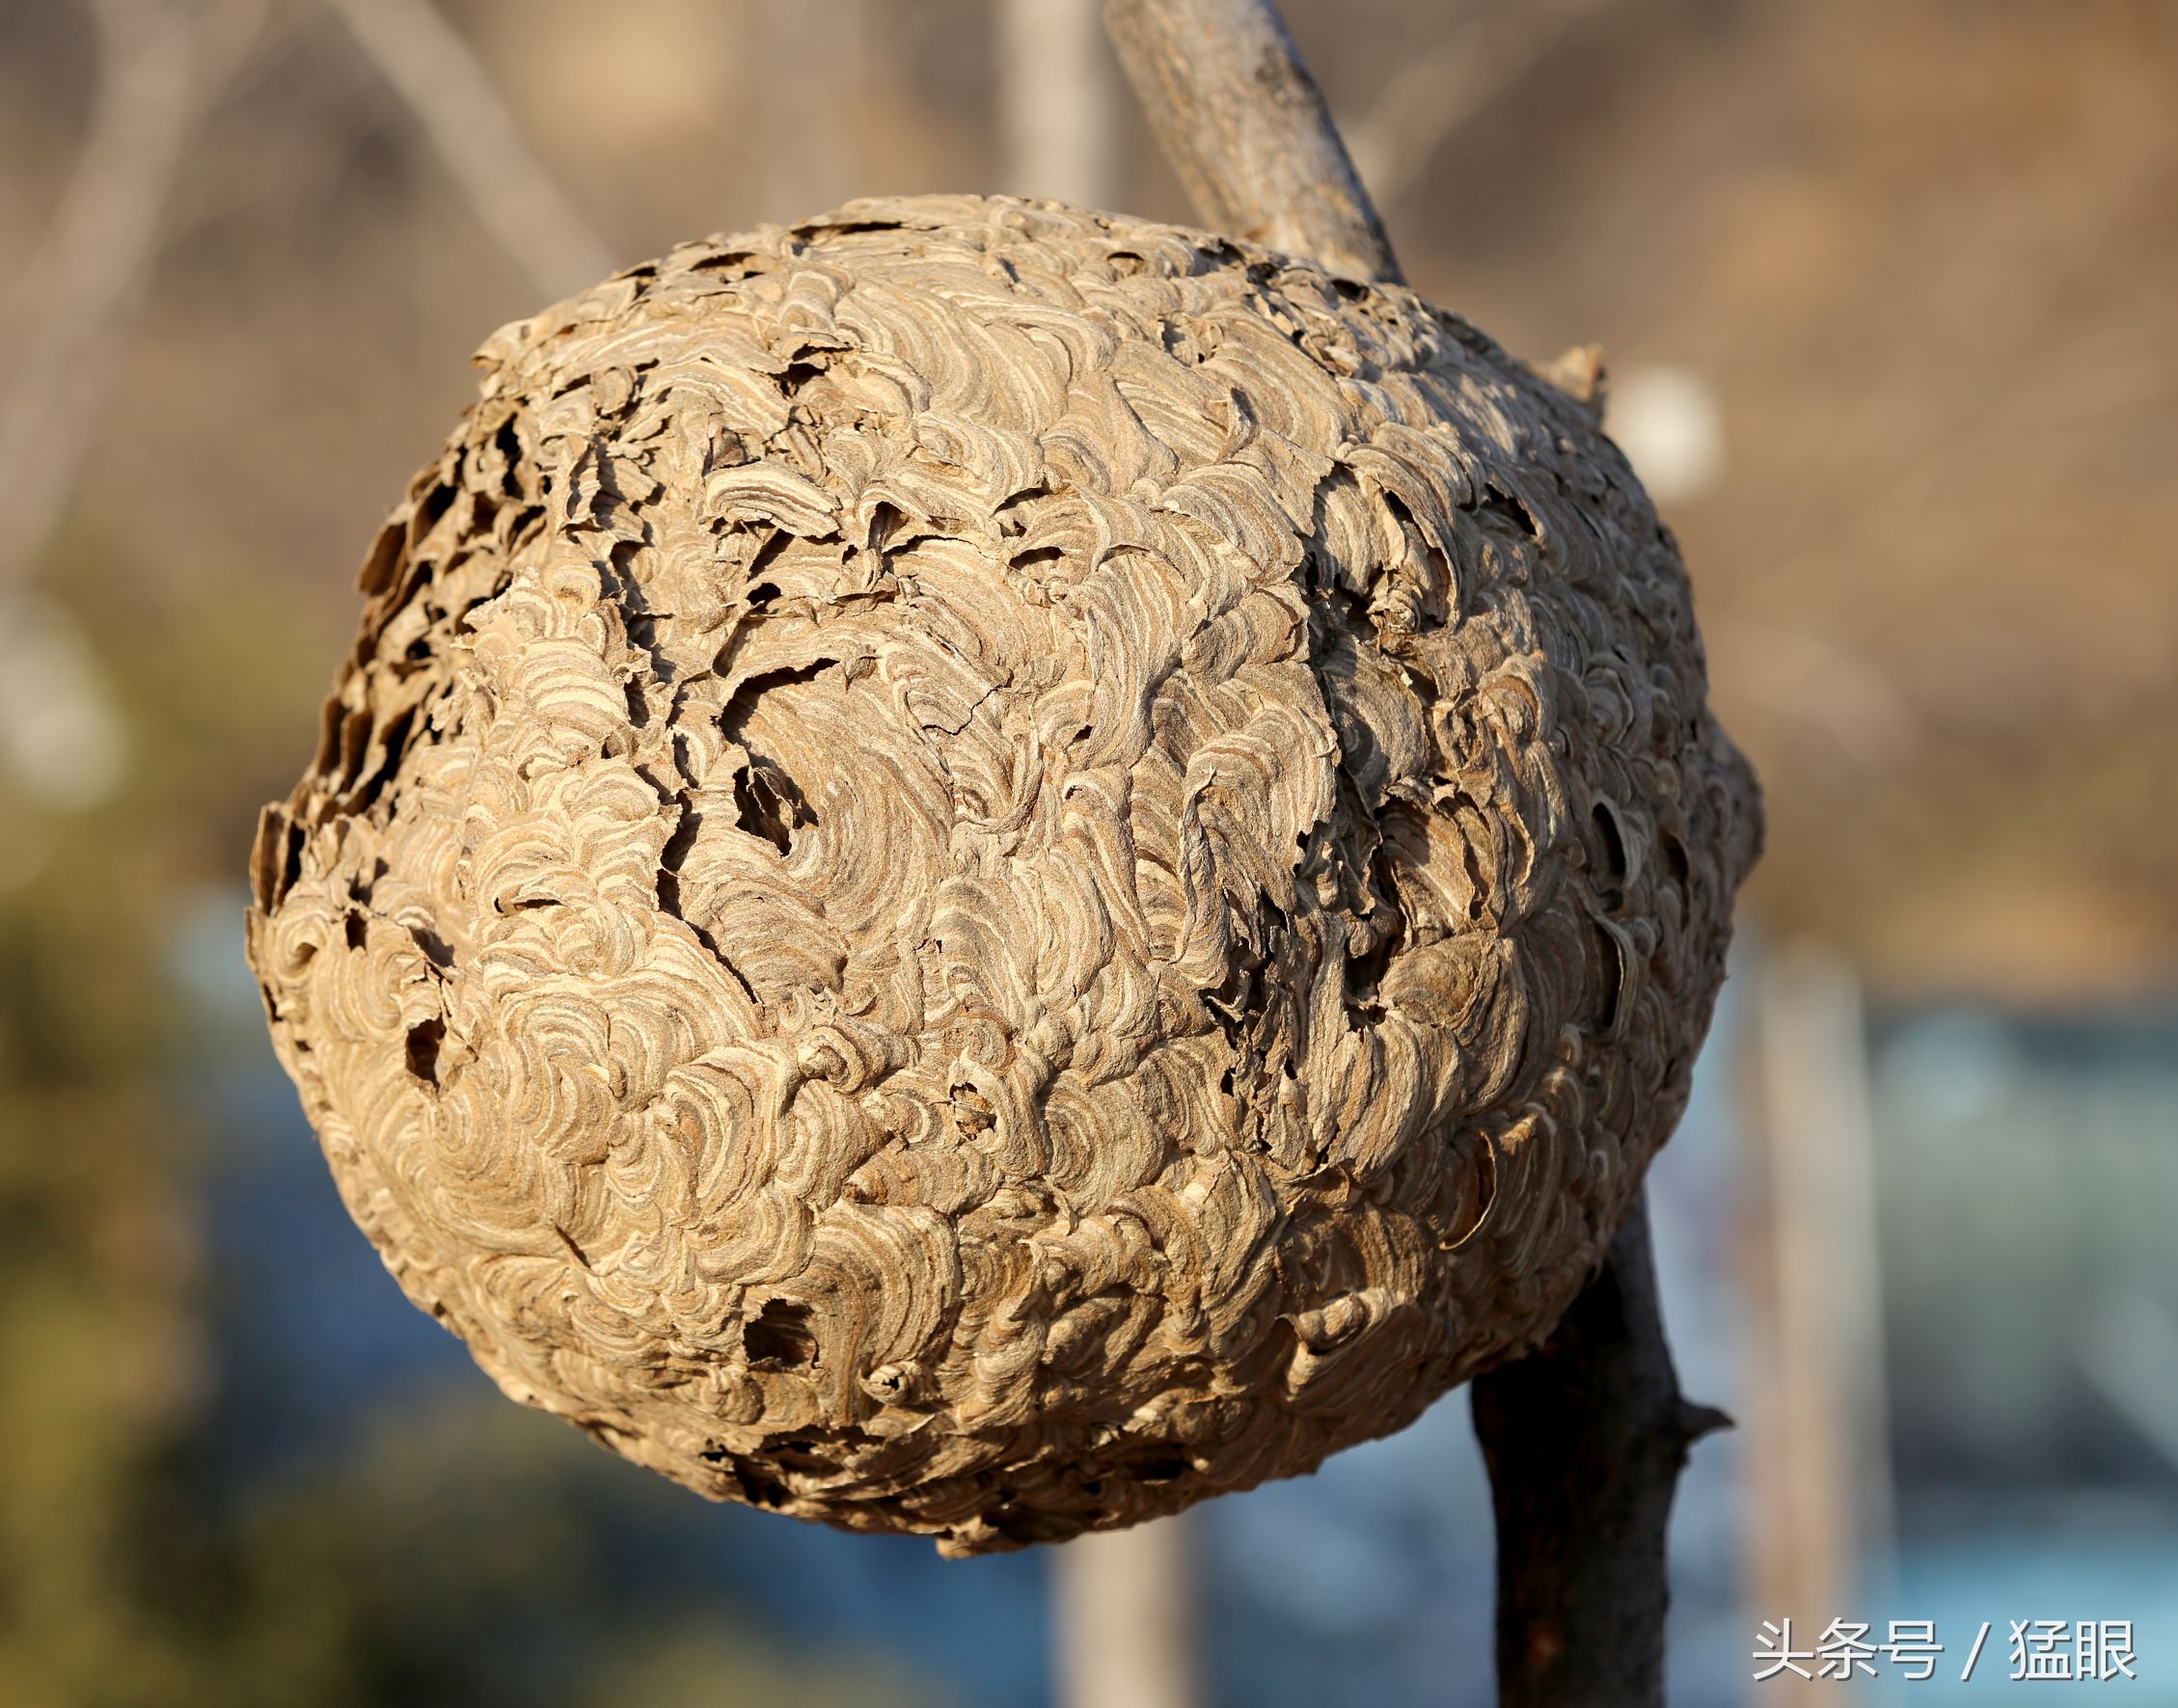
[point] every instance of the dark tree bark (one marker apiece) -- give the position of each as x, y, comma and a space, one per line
1585, 1441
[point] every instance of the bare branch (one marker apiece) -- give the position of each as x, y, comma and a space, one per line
1246, 130
512, 191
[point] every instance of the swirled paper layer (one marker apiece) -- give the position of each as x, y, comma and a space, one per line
984, 869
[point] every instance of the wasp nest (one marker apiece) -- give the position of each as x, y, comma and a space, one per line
984, 869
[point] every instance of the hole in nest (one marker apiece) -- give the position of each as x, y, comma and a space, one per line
804, 1456
761, 1491
1510, 510
779, 1337
1675, 862
356, 928
761, 592
1365, 974
435, 505
767, 802
1611, 847
1611, 978
888, 523
424, 1041
1160, 1470
509, 442
1029, 1528
290, 861
391, 743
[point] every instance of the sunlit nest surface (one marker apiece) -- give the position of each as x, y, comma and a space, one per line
984, 869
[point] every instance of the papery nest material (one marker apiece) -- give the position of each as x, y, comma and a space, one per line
984, 869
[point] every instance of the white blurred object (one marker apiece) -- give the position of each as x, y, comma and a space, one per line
1671, 428
61, 740
1820, 1522
1125, 1608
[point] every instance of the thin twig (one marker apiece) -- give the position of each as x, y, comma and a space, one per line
511, 190
159, 61
1430, 97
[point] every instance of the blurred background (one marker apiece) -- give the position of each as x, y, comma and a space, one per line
1889, 292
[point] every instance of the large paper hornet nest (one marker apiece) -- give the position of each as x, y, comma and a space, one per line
984, 869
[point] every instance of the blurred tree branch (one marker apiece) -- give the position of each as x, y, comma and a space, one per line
1492, 46
160, 62
1057, 102
509, 187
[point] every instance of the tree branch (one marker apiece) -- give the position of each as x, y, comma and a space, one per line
511, 190
1585, 1441
1246, 130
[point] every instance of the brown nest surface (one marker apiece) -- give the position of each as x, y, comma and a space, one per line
984, 869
